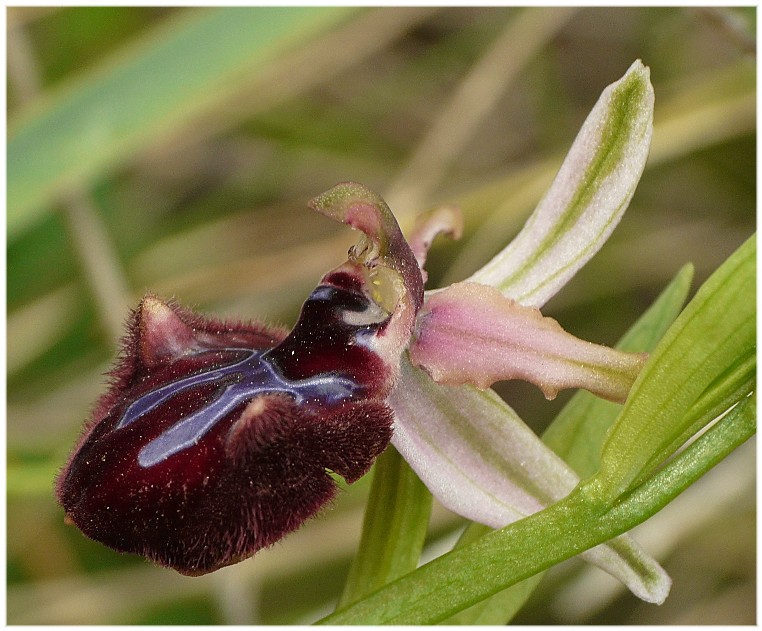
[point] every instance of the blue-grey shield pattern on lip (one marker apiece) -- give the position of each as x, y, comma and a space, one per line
216, 439
239, 383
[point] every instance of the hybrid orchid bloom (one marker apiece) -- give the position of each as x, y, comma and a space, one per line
215, 438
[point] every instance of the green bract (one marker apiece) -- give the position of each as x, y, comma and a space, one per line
714, 337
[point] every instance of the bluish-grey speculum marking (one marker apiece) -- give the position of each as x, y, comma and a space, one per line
245, 379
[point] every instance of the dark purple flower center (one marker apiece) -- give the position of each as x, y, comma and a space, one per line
257, 372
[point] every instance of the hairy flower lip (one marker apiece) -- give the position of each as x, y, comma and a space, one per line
215, 439
261, 465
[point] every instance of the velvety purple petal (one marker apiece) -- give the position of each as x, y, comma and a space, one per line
216, 439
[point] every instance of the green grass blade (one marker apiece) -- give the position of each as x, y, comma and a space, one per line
715, 333
150, 90
503, 606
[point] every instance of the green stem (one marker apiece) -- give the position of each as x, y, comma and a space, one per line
499, 608
497, 560
396, 520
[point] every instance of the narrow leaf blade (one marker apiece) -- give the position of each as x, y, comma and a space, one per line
146, 91
716, 329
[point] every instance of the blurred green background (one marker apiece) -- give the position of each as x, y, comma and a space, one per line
175, 149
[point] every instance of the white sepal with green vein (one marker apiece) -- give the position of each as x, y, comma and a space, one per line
587, 198
481, 461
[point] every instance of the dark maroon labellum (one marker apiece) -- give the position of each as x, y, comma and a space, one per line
216, 439
209, 451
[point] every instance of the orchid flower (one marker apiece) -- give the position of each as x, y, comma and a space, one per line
215, 438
